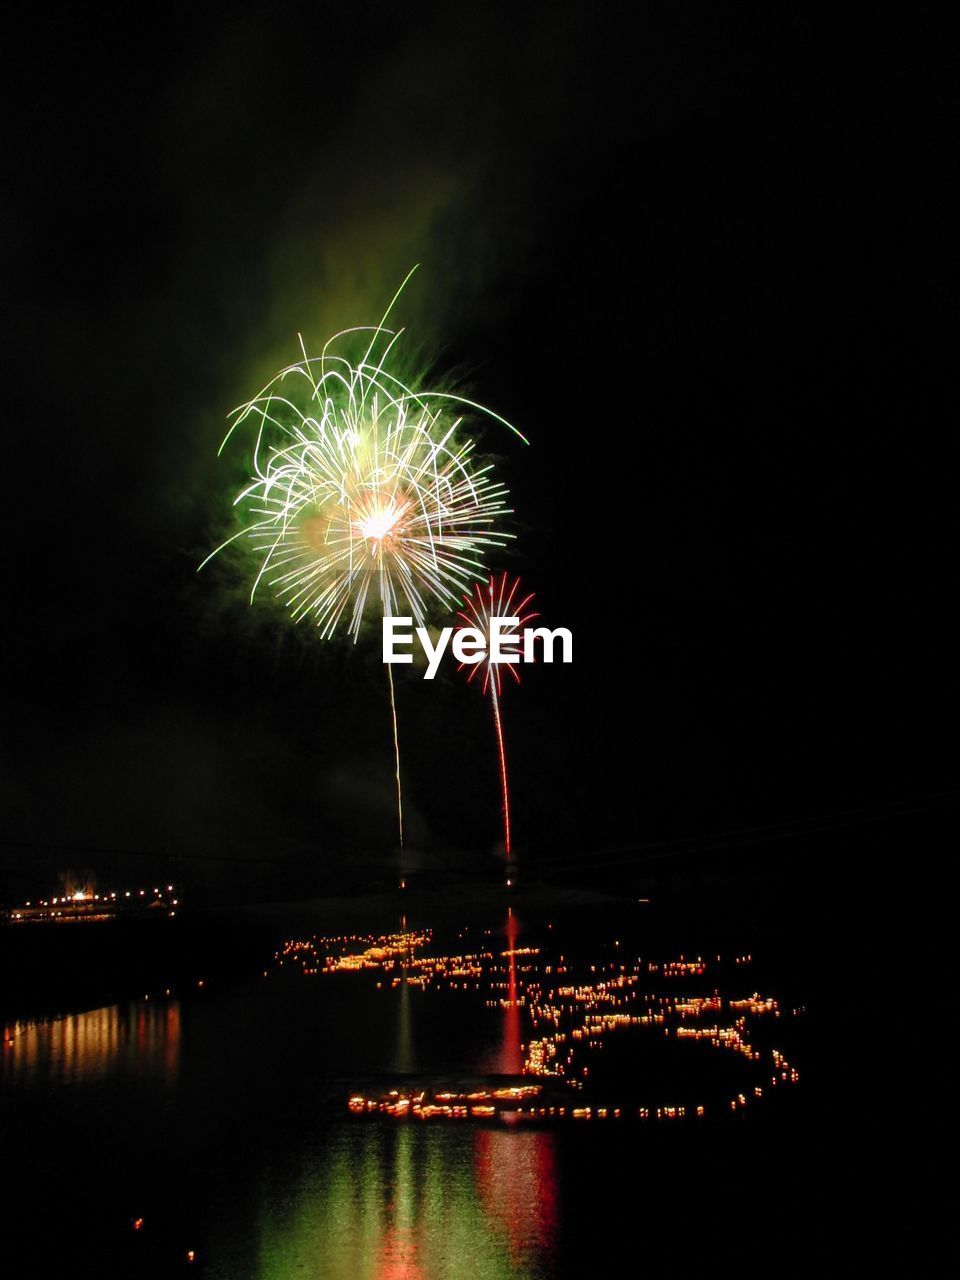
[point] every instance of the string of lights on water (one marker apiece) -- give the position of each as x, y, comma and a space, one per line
566, 1019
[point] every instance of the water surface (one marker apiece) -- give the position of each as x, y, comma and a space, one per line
213, 1121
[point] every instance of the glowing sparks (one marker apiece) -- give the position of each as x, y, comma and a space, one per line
363, 495
499, 597
379, 522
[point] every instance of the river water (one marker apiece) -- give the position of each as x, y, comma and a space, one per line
206, 1130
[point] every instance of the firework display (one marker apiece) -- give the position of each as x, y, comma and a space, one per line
365, 499
364, 490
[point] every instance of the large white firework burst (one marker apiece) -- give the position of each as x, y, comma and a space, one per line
363, 491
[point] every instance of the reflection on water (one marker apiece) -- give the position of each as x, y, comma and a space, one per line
408, 1203
510, 1057
516, 1176
254, 1162
81, 1047
411, 1204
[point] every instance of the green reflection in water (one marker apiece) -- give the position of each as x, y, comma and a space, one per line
405, 1202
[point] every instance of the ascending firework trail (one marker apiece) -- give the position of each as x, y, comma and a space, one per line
499, 597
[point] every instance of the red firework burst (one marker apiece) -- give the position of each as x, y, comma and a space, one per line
500, 597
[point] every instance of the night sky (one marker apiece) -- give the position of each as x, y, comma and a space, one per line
699, 257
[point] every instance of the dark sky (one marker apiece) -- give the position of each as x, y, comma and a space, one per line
699, 256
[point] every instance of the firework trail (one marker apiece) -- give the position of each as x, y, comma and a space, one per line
364, 499
499, 597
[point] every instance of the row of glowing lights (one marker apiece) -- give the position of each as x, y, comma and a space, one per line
567, 1003
484, 1104
544, 1057
84, 896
